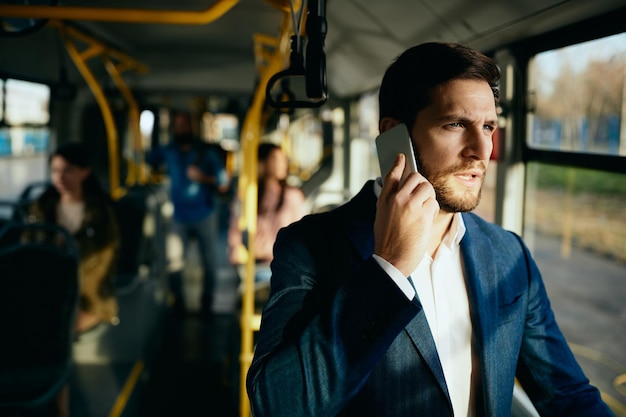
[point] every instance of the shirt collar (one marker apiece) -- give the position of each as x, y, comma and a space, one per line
456, 232
378, 186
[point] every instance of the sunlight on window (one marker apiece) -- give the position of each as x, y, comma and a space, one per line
27, 103
578, 96
146, 126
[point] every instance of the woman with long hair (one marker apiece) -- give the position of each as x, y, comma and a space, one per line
76, 201
279, 205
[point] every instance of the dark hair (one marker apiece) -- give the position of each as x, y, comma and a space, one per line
76, 153
409, 81
263, 152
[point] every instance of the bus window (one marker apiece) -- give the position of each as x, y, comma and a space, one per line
27, 115
302, 138
576, 97
574, 219
27, 103
575, 226
222, 128
146, 127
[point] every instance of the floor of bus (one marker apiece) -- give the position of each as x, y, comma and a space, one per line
195, 373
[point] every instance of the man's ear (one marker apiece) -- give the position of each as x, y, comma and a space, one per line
387, 123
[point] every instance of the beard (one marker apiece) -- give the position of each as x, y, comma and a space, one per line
452, 199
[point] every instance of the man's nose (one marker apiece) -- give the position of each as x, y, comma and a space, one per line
479, 144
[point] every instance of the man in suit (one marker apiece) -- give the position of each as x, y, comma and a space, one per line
402, 302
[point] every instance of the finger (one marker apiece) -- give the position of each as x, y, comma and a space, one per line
392, 178
415, 178
417, 191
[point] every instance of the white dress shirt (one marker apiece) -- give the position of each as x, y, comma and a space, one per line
440, 286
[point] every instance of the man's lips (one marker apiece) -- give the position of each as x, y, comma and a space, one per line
471, 176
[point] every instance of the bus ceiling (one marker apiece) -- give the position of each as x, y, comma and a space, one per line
186, 53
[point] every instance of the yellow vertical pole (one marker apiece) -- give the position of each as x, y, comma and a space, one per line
251, 132
96, 48
135, 163
107, 115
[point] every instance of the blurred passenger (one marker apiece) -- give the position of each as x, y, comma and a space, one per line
278, 205
196, 176
76, 201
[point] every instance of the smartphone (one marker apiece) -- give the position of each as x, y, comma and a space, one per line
392, 142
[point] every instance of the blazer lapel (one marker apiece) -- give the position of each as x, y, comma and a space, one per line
361, 211
478, 255
422, 338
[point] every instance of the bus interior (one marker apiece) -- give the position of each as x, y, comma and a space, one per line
306, 75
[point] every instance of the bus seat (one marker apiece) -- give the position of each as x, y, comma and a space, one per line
33, 191
130, 212
39, 290
11, 212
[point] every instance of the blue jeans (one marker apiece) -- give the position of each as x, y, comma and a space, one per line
178, 239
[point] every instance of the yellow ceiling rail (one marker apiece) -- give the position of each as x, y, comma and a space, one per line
180, 17
97, 48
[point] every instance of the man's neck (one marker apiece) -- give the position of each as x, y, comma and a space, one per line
441, 226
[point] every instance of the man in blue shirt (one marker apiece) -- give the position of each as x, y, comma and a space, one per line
196, 176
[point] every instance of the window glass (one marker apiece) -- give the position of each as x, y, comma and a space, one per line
5, 142
222, 128
27, 103
26, 115
576, 97
302, 138
146, 127
576, 229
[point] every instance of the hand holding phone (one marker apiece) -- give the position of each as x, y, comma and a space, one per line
404, 213
392, 142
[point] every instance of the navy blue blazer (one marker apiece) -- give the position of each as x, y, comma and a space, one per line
338, 338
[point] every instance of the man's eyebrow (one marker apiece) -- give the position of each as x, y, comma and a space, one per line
464, 119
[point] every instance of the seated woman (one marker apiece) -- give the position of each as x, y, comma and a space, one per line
76, 201
278, 206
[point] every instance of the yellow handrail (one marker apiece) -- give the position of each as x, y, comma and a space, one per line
107, 14
136, 170
247, 189
107, 115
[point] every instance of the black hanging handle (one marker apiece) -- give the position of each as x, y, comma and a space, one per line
314, 71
